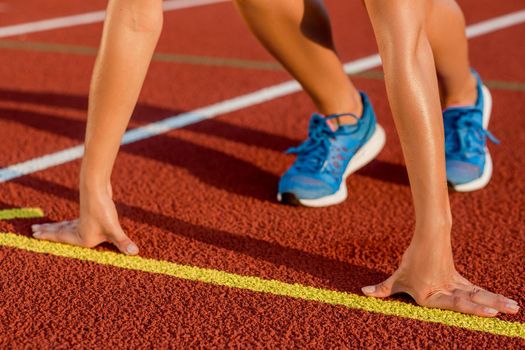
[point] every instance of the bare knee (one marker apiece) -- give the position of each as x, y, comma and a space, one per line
399, 25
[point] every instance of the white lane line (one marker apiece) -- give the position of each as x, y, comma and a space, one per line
495, 24
88, 18
231, 105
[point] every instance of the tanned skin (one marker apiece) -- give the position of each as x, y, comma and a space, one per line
423, 49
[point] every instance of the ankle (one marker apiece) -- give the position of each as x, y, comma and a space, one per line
357, 104
350, 105
466, 95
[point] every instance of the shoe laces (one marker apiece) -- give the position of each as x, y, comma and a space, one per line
312, 154
467, 136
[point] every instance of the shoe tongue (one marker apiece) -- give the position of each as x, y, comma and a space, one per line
337, 121
333, 124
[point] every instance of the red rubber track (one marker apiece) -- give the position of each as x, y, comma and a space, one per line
16, 12
205, 196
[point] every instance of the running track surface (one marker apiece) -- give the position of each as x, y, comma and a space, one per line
204, 196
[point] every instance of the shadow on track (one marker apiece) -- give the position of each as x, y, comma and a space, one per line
379, 170
211, 166
338, 275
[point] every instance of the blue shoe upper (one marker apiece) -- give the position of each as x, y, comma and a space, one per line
323, 157
465, 140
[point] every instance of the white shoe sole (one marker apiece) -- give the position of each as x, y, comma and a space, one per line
484, 179
365, 155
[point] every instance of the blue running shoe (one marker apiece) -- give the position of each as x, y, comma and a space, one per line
328, 157
469, 165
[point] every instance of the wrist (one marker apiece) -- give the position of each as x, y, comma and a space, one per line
440, 226
431, 248
92, 183
433, 244
433, 234
436, 222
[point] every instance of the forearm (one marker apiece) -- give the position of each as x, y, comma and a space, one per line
414, 98
131, 31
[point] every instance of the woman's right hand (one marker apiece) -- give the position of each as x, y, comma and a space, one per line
98, 223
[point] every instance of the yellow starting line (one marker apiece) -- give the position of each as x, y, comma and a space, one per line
21, 213
256, 284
